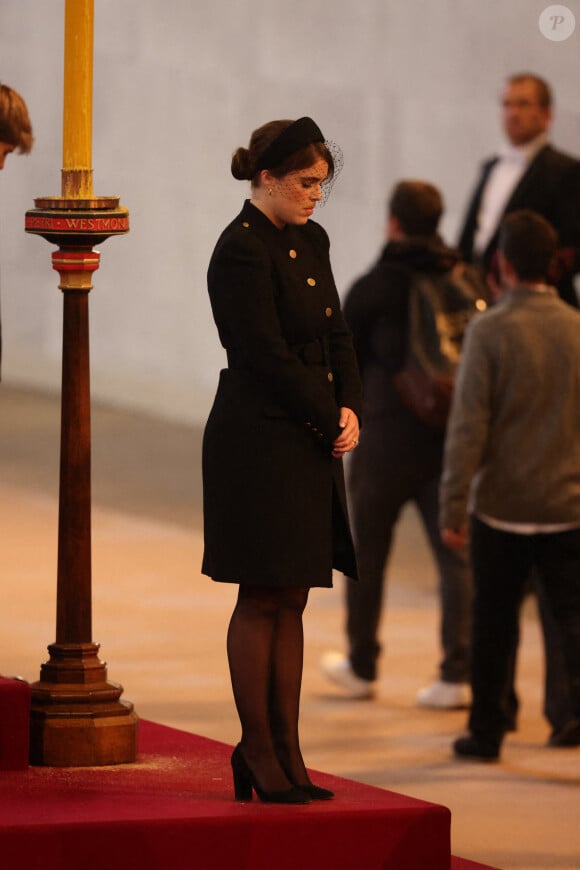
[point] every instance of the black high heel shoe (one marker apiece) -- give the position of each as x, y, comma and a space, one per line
314, 792
245, 781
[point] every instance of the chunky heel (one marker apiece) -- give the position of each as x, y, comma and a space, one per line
245, 781
242, 776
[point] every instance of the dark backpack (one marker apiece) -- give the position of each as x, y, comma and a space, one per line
441, 304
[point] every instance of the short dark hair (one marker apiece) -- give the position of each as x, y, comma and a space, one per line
15, 126
529, 243
418, 207
543, 89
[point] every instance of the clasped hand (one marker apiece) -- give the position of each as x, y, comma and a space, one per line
348, 438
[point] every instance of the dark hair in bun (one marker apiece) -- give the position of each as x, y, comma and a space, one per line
245, 160
242, 167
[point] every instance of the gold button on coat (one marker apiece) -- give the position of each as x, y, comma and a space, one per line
311, 282
245, 224
330, 377
292, 253
328, 311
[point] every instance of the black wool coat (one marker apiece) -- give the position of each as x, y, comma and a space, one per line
274, 497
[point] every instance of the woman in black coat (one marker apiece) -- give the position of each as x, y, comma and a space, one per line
286, 410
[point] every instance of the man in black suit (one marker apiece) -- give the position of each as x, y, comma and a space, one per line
528, 173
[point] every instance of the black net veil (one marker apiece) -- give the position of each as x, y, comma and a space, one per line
338, 162
295, 138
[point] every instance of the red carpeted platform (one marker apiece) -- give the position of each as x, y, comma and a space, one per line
464, 864
14, 723
174, 810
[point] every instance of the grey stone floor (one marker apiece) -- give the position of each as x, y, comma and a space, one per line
162, 626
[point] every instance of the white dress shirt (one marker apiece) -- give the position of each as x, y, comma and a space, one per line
501, 182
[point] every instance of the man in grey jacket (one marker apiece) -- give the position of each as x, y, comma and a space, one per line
512, 460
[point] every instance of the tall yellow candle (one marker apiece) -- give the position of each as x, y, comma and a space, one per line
78, 99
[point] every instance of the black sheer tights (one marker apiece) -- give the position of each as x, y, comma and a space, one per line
265, 654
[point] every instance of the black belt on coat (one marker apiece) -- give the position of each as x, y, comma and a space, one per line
314, 352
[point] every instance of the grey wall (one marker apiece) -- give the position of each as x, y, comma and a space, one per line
406, 87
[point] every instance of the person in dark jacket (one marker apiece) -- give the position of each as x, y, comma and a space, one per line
528, 173
399, 459
287, 410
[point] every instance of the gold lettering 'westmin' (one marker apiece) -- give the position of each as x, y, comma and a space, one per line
97, 224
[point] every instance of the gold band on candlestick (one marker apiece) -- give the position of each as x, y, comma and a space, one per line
75, 268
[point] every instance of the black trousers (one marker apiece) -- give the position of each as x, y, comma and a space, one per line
502, 563
394, 465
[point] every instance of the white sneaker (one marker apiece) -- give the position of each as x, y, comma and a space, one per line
337, 668
442, 695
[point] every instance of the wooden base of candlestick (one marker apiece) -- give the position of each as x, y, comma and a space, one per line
76, 717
